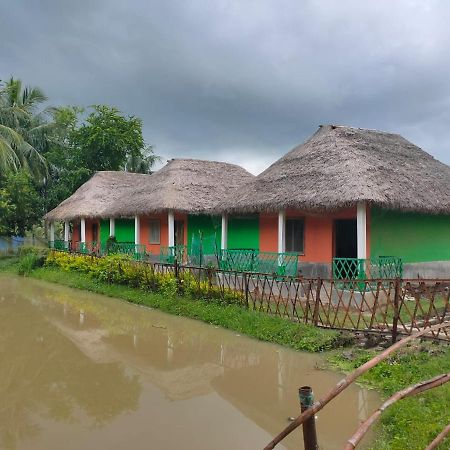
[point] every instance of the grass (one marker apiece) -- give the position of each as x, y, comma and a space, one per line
414, 422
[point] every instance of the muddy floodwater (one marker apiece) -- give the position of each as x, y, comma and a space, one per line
83, 371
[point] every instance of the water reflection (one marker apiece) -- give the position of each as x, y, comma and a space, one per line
77, 358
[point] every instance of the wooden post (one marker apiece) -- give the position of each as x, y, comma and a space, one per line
317, 302
246, 288
306, 398
396, 310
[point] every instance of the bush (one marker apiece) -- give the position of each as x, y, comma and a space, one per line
121, 269
30, 258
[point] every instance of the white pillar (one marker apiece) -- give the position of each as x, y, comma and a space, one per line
224, 237
281, 232
171, 219
112, 227
361, 226
52, 234
137, 230
83, 230
66, 234
66, 230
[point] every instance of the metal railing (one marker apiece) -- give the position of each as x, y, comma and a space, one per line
385, 267
248, 260
136, 251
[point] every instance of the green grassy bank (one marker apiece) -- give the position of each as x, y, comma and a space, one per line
410, 424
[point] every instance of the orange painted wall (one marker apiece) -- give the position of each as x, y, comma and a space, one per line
144, 235
318, 245
89, 234
76, 232
268, 232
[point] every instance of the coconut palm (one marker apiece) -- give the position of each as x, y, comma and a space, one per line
24, 130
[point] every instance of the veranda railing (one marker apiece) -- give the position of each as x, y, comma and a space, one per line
382, 267
247, 260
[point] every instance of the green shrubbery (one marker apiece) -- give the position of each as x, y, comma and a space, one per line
30, 258
121, 269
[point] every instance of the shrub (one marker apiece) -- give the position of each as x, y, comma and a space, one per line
30, 258
121, 269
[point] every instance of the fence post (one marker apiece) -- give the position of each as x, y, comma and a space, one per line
317, 302
396, 309
246, 288
306, 398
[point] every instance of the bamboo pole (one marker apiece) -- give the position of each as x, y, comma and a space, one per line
439, 438
347, 381
407, 392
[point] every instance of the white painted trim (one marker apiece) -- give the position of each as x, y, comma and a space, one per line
137, 230
112, 227
52, 234
281, 232
171, 225
361, 226
224, 235
83, 230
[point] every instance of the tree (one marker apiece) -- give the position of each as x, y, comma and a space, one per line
24, 130
108, 140
20, 204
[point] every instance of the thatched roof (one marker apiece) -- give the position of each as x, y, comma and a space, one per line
339, 166
97, 196
183, 185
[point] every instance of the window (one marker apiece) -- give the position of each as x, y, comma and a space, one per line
294, 235
155, 231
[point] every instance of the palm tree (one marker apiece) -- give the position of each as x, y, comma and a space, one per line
141, 162
24, 131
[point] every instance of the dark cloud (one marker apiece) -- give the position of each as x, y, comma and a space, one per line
241, 81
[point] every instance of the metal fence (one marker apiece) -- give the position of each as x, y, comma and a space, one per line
384, 306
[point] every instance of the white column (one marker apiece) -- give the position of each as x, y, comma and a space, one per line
171, 219
224, 237
52, 234
137, 230
281, 232
83, 230
66, 234
112, 227
361, 226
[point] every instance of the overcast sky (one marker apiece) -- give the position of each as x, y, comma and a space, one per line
241, 81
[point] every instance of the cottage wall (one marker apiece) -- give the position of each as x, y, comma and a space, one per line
421, 240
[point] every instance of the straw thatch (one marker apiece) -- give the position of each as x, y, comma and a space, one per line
97, 196
182, 185
340, 166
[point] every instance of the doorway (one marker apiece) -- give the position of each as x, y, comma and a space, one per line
179, 232
345, 238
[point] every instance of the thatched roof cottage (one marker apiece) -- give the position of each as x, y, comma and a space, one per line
166, 208
344, 194
353, 193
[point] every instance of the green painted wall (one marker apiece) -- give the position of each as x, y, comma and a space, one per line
208, 226
104, 231
243, 232
410, 236
124, 230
